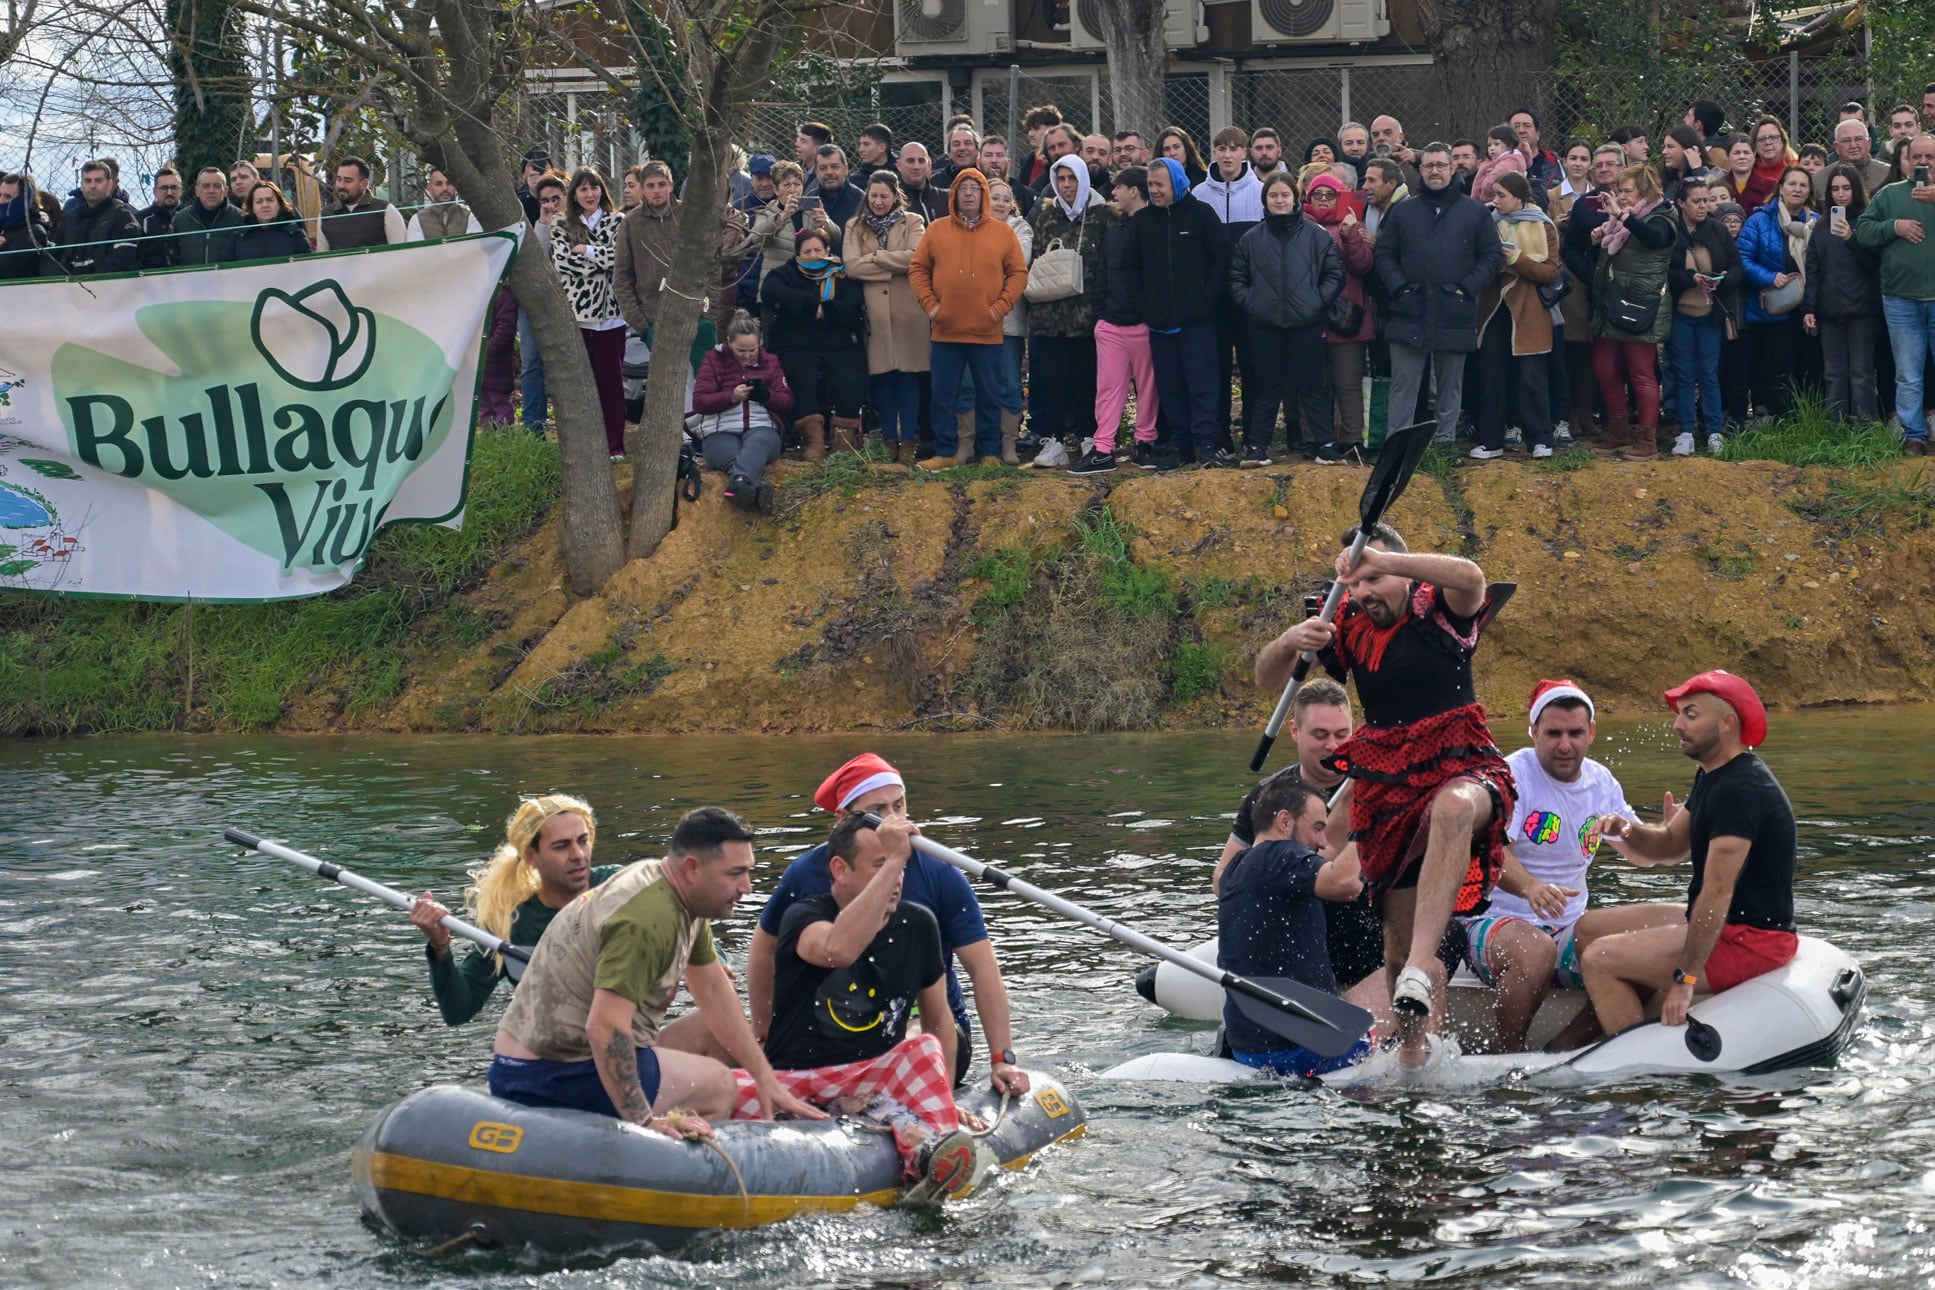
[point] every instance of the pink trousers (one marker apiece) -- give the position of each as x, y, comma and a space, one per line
1122, 355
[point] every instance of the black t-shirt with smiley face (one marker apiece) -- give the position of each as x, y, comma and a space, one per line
826, 1016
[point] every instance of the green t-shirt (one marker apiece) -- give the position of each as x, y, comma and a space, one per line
461, 985
633, 936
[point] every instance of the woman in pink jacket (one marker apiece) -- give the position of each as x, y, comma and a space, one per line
739, 404
1329, 204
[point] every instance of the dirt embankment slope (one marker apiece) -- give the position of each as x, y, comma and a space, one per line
1138, 601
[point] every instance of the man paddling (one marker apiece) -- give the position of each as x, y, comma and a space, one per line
1270, 919
1529, 939
582, 1030
543, 864
1739, 828
868, 783
1320, 721
1430, 792
851, 964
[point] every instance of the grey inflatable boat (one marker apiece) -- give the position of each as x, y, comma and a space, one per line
450, 1164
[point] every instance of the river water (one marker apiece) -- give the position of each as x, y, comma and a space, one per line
192, 1039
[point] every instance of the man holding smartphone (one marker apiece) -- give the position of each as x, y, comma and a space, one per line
1898, 223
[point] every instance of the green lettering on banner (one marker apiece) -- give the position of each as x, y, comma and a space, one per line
293, 421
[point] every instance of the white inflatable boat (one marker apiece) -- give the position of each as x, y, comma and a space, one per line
1802, 1014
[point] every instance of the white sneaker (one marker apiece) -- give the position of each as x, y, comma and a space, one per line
1562, 434
1716, 443
1541, 450
1052, 454
1683, 444
1411, 996
1482, 453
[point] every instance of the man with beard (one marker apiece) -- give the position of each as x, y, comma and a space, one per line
1430, 793
159, 247
1266, 152
1739, 828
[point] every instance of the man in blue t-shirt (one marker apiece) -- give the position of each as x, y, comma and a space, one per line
1270, 922
868, 783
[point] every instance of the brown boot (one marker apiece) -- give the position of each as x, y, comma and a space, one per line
848, 435
812, 438
1010, 427
963, 438
1644, 446
1619, 435
896, 450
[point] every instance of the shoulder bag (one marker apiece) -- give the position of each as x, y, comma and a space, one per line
1057, 272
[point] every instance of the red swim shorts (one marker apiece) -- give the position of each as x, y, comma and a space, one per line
1743, 953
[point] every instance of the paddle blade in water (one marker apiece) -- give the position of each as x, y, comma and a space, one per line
1336, 1030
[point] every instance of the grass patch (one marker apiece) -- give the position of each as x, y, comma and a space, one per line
1213, 593
1573, 458
1196, 670
1006, 573
1734, 566
71, 666
1439, 460
1808, 436
1906, 501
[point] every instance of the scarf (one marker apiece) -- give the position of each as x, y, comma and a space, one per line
1616, 230
825, 272
1335, 215
882, 224
1284, 226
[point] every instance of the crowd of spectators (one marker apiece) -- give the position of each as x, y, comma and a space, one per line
997, 300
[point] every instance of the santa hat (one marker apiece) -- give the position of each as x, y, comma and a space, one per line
855, 780
1548, 692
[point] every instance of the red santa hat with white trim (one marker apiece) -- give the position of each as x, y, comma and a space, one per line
855, 780
1548, 692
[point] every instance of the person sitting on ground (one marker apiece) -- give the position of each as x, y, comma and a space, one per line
1270, 924
271, 230
1528, 940
1320, 721
814, 317
741, 401
543, 864
1739, 828
850, 964
583, 1029
867, 784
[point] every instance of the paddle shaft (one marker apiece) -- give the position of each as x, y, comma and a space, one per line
1305, 659
390, 895
1108, 926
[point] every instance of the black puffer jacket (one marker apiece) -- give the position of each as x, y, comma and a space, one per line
1843, 277
102, 238
1116, 292
1286, 271
1436, 251
1183, 258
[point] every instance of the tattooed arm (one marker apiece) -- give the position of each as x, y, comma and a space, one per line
613, 1051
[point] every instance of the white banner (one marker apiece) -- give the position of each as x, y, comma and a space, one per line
237, 433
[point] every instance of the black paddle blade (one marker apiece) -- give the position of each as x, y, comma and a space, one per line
1339, 1026
1397, 461
1497, 596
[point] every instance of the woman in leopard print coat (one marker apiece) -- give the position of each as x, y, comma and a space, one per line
583, 249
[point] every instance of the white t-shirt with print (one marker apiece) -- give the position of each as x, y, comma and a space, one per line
1555, 829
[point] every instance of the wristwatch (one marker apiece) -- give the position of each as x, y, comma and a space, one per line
1684, 978
1006, 1057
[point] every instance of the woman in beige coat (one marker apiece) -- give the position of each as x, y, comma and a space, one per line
880, 242
1514, 325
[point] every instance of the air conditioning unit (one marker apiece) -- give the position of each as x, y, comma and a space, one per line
1279, 22
923, 28
1182, 24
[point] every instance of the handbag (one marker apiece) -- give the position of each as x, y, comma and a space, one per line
1635, 317
1345, 316
1551, 293
1057, 272
1782, 300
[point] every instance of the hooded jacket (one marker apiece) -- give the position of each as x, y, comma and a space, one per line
1116, 292
1074, 315
1285, 272
1181, 254
1435, 253
102, 238
1237, 202
968, 277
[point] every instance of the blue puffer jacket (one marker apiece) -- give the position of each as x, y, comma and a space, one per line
1763, 254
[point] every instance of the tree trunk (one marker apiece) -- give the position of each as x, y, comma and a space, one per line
1133, 30
715, 117
472, 153
1493, 57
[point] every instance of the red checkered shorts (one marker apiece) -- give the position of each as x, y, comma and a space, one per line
912, 1073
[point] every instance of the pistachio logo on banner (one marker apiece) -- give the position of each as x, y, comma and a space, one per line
292, 422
